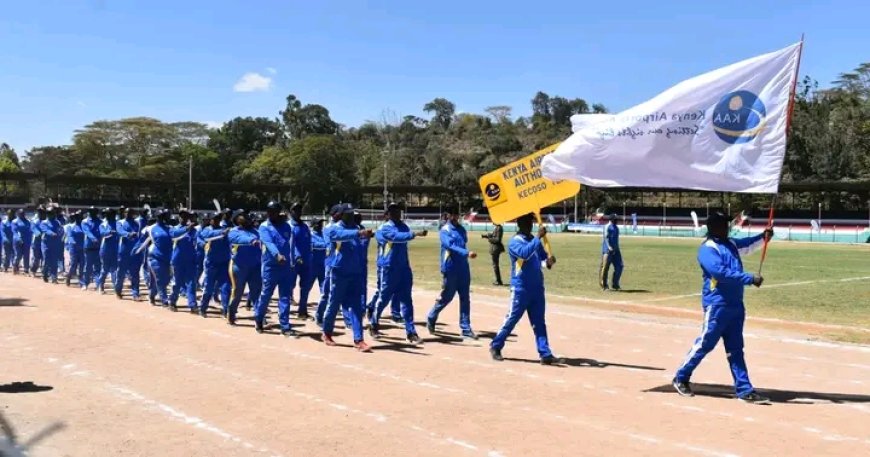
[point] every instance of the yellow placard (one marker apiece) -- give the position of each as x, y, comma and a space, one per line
520, 188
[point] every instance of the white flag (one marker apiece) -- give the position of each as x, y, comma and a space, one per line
722, 131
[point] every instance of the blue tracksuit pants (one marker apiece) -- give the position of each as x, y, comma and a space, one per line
395, 311
725, 322
50, 254
129, 265
92, 266
160, 274
184, 277
239, 278
454, 283
275, 277
324, 295
200, 266
109, 263
76, 264
396, 283
344, 293
22, 255
303, 275
8, 255
35, 255
217, 279
522, 301
607, 259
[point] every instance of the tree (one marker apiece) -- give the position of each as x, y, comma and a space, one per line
302, 120
500, 113
241, 140
443, 110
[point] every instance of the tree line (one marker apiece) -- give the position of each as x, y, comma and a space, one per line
304, 147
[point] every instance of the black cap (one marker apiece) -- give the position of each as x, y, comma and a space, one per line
336, 209
163, 212
297, 206
226, 211
612, 216
718, 218
92, 209
526, 217
451, 208
394, 206
273, 207
40, 209
348, 209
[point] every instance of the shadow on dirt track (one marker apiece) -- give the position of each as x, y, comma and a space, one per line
13, 302
589, 363
776, 396
23, 387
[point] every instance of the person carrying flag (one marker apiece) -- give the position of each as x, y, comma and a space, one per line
456, 274
527, 289
722, 302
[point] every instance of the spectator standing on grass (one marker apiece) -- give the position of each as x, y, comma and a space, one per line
610, 255
527, 289
456, 274
722, 302
74, 241
496, 247
397, 279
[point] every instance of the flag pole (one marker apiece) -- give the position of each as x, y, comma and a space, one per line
787, 130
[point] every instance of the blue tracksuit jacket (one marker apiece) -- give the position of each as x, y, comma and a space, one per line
610, 255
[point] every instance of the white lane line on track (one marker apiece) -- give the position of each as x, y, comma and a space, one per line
128, 394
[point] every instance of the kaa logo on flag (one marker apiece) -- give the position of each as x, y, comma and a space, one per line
739, 117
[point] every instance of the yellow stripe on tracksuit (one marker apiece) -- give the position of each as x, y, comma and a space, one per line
518, 266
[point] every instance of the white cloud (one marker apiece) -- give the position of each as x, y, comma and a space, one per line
271, 71
253, 82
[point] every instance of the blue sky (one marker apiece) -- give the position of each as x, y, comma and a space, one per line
67, 63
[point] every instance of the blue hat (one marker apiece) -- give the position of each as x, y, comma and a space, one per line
348, 209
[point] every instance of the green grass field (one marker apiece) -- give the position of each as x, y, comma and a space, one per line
657, 268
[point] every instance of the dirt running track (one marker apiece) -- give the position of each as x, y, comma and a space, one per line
131, 379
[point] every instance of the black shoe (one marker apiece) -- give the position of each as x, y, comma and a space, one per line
194, 311
683, 388
755, 398
616, 288
373, 331
119, 295
496, 354
67, 282
304, 317
398, 319
173, 308
248, 306
203, 313
258, 326
290, 332
430, 326
414, 338
231, 321
605, 289
552, 360
469, 335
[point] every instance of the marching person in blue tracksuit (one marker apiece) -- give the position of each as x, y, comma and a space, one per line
130, 258
395, 311
245, 263
159, 258
301, 259
336, 214
93, 240
144, 220
722, 301
184, 261
36, 244
276, 236
22, 236
345, 270
527, 289
8, 237
610, 255
74, 241
52, 245
217, 263
456, 274
397, 279
108, 250
61, 261
200, 250
319, 245
364, 258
